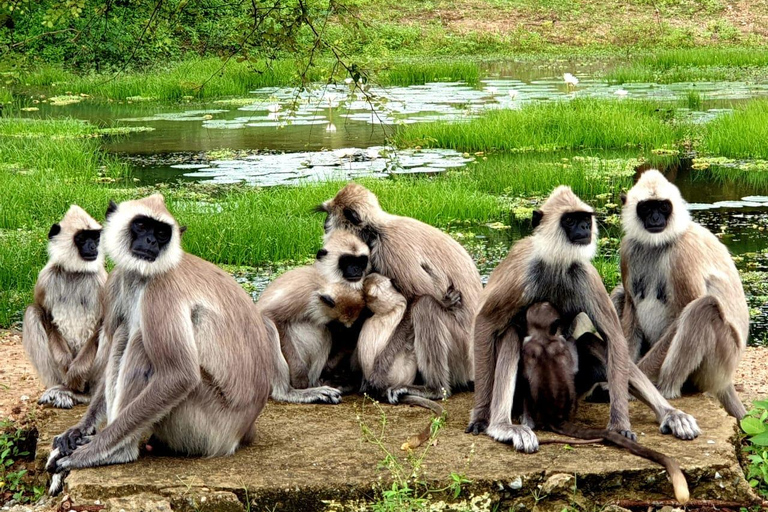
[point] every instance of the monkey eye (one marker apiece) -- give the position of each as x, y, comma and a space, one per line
664, 208
163, 235
141, 226
570, 221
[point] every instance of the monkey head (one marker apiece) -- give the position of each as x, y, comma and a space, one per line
564, 228
342, 304
654, 212
542, 317
381, 294
73, 243
143, 236
344, 258
354, 208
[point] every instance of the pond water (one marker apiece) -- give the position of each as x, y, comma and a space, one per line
280, 136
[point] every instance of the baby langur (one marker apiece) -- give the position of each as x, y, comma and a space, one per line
554, 265
681, 301
550, 363
301, 303
61, 328
390, 368
189, 359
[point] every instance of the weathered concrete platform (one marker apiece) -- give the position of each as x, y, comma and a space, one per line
313, 457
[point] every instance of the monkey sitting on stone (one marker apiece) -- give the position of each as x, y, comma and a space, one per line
61, 328
549, 366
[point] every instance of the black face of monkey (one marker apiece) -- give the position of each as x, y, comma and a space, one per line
577, 227
87, 242
353, 267
149, 237
654, 214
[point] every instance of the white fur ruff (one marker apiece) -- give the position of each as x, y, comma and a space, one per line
652, 185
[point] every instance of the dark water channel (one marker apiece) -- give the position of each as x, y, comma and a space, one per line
278, 136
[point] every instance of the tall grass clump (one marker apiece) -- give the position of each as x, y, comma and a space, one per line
740, 134
419, 73
196, 77
576, 124
691, 65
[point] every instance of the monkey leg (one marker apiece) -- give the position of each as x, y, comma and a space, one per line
701, 346
37, 346
485, 363
501, 427
432, 344
282, 391
671, 421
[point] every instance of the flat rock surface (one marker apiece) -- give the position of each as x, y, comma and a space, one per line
308, 455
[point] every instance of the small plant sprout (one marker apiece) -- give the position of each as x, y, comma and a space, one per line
570, 80
492, 90
513, 94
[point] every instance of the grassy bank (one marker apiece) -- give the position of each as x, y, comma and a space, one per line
577, 124
741, 134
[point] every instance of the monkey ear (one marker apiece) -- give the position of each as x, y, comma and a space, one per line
55, 230
182, 230
352, 216
112, 208
537, 216
623, 197
328, 301
322, 253
321, 208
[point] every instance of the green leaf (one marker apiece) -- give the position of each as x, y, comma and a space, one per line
760, 439
752, 426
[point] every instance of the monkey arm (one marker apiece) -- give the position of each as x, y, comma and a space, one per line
374, 337
170, 346
82, 366
599, 308
58, 348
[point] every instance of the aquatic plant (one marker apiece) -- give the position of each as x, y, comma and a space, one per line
740, 134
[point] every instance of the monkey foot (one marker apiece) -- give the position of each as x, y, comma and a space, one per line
680, 425
519, 436
323, 395
476, 427
57, 483
670, 393
58, 397
628, 434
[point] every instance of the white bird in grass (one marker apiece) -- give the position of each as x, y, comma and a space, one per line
331, 128
570, 80
274, 107
621, 92
348, 80
513, 94
492, 90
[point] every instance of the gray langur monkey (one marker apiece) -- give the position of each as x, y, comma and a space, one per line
681, 301
61, 328
301, 303
549, 367
411, 253
554, 265
189, 357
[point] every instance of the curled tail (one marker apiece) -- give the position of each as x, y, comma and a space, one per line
679, 483
422, 437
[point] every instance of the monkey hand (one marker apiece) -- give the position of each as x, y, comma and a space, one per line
680, 425
69, 440
75, 379
521, 437
452, 298
624, 432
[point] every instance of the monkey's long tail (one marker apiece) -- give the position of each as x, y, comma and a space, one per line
679, 483
422, 437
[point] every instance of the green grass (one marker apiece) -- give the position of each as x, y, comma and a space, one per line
577, 124
420, 72
693, 65
741, 134
195, 77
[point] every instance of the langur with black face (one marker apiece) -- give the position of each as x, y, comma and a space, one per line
554, 265
549, 366
301, 303
681, 301
411, 254
189, 358
61, 328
